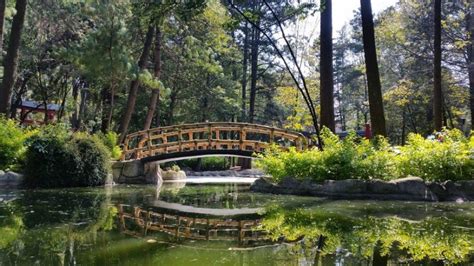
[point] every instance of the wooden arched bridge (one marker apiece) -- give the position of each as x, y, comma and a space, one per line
180, 225
206, 139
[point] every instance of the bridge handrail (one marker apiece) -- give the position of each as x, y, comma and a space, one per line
147, 136
212, 124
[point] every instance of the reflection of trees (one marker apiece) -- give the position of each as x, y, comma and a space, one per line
433, 238
10, 225
54, 240
218, 196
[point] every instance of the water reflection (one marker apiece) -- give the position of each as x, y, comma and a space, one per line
139, 222
369, 238
226, 225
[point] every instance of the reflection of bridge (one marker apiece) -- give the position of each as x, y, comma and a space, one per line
206, 139
182, 226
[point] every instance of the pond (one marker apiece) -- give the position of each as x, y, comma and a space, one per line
226, 225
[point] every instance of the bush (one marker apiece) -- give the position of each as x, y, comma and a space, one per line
56, 159
214, 164
341, 159
202, 164
94, 160
12, 138
449, 157
110, 140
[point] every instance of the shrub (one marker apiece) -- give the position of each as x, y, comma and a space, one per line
214, 164
110, 140
448, 157
94, 159
12, 138
341, 159
202, 164
50, 162
57, 159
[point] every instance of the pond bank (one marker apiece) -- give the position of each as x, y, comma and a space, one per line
409, 188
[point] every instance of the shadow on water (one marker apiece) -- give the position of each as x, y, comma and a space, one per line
226, 225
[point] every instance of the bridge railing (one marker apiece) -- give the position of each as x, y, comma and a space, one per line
179, 225
208, 136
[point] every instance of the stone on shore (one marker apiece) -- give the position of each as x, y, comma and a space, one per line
173, 175
10, 180
409, 188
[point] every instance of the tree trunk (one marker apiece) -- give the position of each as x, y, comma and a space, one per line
326, 67
10, 63
470, 53
75, 95
155, 95
254, 73
132, 95
437, 93
377, 115
2, 22
244, 72
107, 99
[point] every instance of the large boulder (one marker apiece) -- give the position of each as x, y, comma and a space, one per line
262, 185
414, 188
453, 191
348, 186
11, 180
466, 187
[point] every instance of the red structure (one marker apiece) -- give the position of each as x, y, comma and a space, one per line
368, 131
29, 110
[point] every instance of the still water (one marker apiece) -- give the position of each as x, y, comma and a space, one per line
226, 225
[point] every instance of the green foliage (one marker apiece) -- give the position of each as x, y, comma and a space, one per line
94, 161
110, 140
11, 142
448, 158
360, 235
62, 160
10, 225
214, 163
203, 164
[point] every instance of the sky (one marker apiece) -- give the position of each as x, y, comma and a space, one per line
342, 10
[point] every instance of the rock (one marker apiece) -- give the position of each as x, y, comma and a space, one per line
11, 180
348, 186
1, 173
13, 177
466, 187
377, 186
454, 191
439, 190
263, 185
414, 187
173, 175
410, 188
132, 169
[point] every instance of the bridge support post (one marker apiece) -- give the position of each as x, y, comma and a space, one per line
153, 173
137, 172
